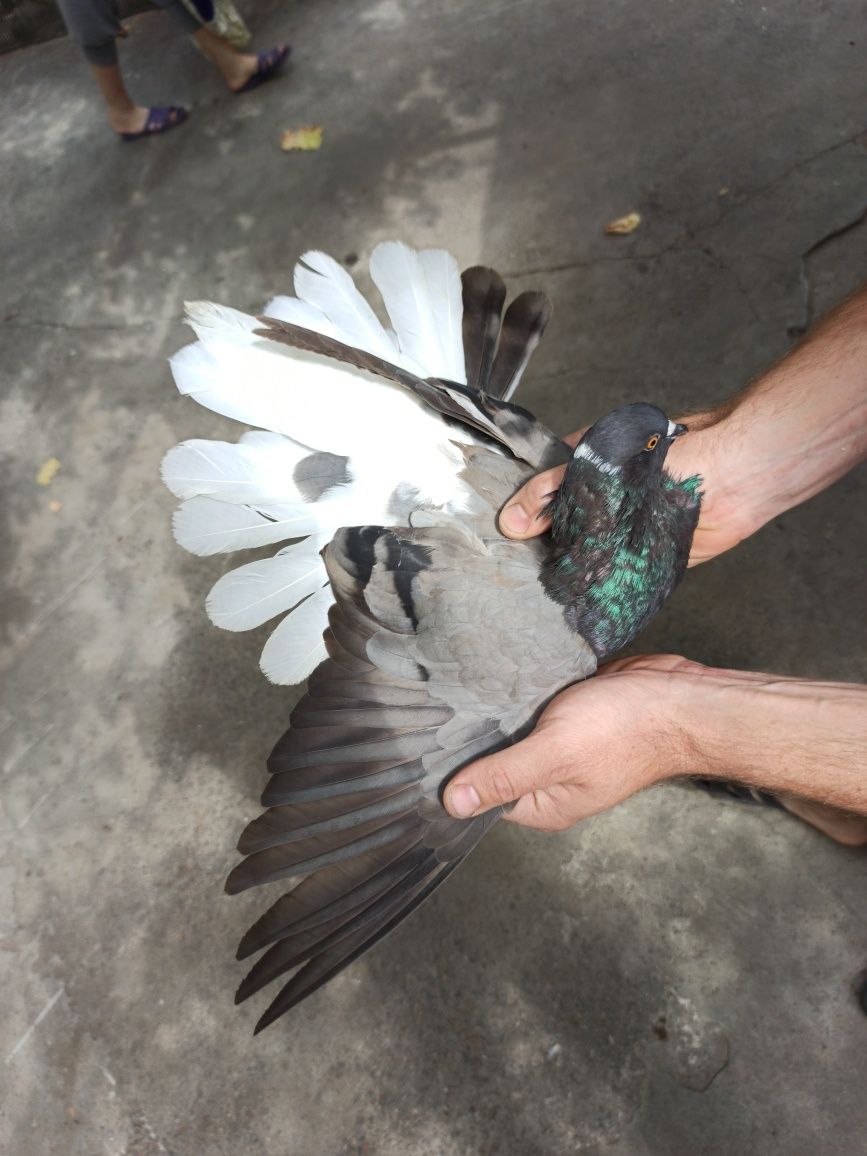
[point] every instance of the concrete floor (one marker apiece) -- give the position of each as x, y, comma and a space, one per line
519, 1011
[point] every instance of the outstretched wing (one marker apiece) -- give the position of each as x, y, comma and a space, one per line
421, 678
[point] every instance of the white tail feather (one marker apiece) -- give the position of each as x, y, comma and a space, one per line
401, 278
299, 313
447, 309
204, 318
207, 526
313, 400
324, 284
296, 647
265, 437
252, 594
251, 472
243, 495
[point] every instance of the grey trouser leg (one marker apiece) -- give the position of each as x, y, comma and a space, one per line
94, 24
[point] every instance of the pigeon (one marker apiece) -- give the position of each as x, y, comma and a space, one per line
382, 453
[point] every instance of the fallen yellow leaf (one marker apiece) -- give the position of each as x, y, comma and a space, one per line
45, 473
623, 225
306, 139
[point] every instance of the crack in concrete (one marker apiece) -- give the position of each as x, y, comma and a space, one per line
675, 246
730, 207
737, 200
578, 263
588, 263
806, 282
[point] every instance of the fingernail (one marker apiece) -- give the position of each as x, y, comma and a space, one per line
463, 800
514, 519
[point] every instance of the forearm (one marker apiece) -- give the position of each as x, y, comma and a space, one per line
792, 432
785, 735
659, 716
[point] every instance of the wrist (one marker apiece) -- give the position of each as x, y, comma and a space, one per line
707, 721
688, 739
730, 494
673, 729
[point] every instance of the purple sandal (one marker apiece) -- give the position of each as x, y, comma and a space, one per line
159, 120
267, 65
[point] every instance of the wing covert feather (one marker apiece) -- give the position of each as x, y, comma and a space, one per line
443, 646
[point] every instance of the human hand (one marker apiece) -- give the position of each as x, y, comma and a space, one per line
596, 743
657, 716
724, 520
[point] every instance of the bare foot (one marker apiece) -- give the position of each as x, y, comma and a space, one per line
238, 69
247, 72
132, 120
841, 826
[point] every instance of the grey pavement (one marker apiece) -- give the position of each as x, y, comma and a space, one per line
671, 979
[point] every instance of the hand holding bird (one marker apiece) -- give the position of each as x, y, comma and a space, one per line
726, 516
595, 744
655, 717
782, 439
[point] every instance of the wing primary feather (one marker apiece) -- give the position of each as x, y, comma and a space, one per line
523, 326
254, 593
296, 948
291, 823
296, 786
348, 947
398, 746
360, 714
316, 899
484, 294
206, 526
310, 854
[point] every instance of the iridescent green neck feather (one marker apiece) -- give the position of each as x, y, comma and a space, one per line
620, 546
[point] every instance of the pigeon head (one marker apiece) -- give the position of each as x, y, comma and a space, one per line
632, 441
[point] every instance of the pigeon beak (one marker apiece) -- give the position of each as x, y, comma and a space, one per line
676, 430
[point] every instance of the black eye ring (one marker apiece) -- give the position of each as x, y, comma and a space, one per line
652, 442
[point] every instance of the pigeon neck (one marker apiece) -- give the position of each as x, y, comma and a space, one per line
618, 550
591, 500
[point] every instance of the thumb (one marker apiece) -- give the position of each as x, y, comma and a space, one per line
519, 518
498, 779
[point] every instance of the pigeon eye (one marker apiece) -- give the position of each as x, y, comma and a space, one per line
651, 442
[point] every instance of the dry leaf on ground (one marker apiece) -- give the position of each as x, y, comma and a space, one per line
623, 225
45, 473
305, 139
